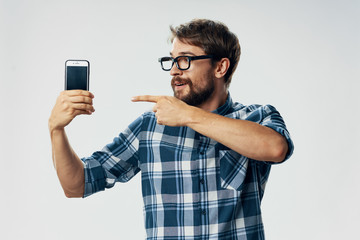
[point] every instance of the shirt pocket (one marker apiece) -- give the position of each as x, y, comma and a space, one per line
233, 168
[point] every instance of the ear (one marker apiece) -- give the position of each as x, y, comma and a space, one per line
222, 67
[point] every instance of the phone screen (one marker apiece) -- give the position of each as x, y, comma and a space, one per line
76, 77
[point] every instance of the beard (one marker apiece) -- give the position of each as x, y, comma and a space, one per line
197, 94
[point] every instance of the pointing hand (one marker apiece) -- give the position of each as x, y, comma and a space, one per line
168, 110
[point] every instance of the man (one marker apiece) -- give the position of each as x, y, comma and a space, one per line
204, 160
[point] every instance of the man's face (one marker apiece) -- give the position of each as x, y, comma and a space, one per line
195, 85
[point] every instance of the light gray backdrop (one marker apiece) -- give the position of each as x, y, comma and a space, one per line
300, 56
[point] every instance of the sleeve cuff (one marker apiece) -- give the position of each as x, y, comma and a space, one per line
95, 179
286, 135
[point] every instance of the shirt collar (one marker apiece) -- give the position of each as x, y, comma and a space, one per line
222, 110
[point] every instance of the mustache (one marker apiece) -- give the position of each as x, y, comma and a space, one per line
180, 80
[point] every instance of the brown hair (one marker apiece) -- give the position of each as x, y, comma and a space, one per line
214, 38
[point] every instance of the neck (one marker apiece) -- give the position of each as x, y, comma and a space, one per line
216, 100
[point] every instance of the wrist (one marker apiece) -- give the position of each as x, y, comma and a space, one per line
191, 117
53, 128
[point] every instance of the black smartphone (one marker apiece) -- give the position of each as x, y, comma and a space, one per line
77, 74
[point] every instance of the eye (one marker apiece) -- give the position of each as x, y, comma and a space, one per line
183, 62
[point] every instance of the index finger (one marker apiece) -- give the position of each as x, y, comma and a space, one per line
145, 98
79, 93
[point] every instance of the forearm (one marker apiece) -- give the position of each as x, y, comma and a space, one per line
245, 137
69, 167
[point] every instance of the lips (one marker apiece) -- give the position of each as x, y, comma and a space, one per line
178, 82
179, 86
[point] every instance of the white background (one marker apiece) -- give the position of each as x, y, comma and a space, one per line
300, 56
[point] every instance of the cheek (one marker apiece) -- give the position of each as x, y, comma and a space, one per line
196, 78
199, 75
203, 81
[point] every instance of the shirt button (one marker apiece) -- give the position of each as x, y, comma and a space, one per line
202, 152
202, 181
203, 212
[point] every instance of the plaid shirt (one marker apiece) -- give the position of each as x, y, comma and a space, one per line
193, 187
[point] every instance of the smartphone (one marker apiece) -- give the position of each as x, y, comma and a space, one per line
77, 74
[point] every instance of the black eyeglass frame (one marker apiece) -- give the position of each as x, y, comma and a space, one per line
175, 60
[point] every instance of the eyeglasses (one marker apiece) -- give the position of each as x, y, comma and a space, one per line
182, 62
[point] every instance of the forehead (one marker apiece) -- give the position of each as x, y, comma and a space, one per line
181, 48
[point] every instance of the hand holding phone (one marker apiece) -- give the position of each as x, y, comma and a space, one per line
70, 104
77, 74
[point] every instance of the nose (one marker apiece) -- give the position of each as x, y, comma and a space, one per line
174, 71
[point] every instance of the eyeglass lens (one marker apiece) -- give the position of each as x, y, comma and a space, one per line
182, 63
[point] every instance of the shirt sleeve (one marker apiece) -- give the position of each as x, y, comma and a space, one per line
272, 119
116, 162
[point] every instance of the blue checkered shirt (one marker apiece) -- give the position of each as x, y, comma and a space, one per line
193, 187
